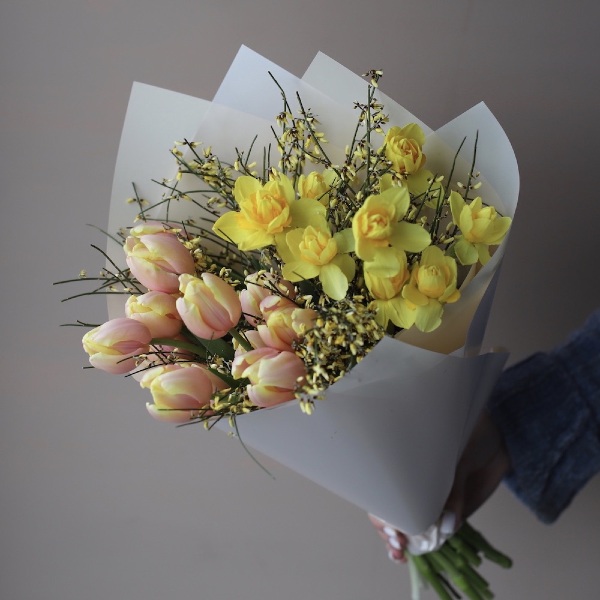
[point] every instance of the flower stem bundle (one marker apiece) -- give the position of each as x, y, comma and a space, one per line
451, 570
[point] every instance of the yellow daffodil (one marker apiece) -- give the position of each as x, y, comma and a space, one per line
312, 251
480, 227
403, 147
387, 291
432, 284
380, 233
265, 210
316, 185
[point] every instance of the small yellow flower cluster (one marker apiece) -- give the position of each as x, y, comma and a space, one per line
343, 335
231, 403
206, 166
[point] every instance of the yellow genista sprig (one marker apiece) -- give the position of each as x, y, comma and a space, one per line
343, 335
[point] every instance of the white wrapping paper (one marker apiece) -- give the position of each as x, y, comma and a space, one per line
388, 436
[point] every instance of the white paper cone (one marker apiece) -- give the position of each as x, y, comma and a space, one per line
388, 436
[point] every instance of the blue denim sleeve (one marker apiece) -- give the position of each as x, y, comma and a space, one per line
548, 410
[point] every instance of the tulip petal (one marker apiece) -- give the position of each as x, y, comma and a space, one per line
169, 416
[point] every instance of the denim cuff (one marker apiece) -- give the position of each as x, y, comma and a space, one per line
548, 411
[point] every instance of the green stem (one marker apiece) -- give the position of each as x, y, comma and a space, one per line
476, 539
237, 432
443, 564
199, 350
240, 339
430, 575
472, 577
464, 549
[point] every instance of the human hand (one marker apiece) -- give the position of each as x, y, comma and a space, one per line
482, 466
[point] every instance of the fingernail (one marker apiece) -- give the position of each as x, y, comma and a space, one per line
392, 557
390, 531
394, 543
448, 523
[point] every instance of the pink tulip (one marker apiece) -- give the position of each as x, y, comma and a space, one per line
114, 345
258, 287
210, 307
147, 227
180, 392
157, 311
157, 259
285, 326
274, 376
273, 303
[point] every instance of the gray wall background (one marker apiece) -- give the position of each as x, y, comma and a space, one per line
98, 501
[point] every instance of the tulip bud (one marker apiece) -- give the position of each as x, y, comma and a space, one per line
274, 303
274, 376
258, 287
157, 259
114, 345
157, 311
210, 307
180, 392
286, 325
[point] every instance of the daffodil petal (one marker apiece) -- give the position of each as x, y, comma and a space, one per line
385, 263
255, 240
283, 250
288, 188
293, 239
401, 314
410, 237
483, 253
414, 296
433, 256
498, 230
346, 264
398, 197
228, 226
233, 227
334, 281
457, 203
344, 240
429, 317
307, 211
414, 131
299, 270
244, 186
465, 252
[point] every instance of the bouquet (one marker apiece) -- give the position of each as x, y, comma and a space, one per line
315, 249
